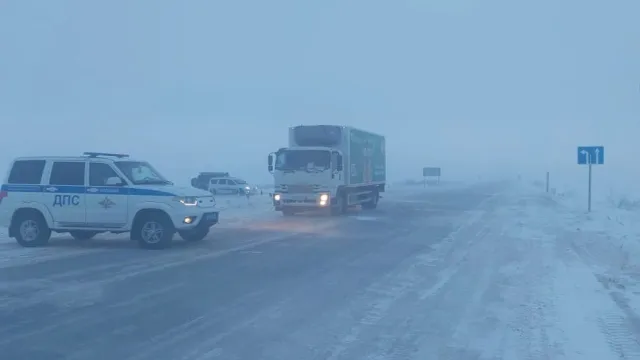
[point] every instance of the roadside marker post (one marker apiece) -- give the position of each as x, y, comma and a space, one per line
590, 155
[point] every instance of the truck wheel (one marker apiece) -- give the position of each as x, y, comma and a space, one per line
154, 231
193, 235
340, 206
373, 203
31, 229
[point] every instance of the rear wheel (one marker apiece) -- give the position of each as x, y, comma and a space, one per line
31, 229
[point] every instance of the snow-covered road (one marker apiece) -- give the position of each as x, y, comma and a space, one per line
486, 271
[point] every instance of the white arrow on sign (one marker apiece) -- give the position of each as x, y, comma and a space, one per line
587, 156
597, 156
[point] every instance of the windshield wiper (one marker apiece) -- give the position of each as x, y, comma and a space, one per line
153, 182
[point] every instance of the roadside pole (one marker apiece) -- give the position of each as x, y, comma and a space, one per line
589, 195
590, 155
547, 181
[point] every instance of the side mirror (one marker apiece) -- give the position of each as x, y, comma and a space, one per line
114, 181
339, 162
270, 162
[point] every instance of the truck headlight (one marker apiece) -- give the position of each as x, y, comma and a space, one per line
187, 200
324, 197
276, 197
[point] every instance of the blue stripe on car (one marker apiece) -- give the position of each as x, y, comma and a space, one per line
67, 189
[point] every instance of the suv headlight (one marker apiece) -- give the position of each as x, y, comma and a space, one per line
187, 200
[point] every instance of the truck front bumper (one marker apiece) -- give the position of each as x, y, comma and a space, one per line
301, 201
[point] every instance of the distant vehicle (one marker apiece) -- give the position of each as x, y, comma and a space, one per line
97, 193
202, 180
227, 185
328, 166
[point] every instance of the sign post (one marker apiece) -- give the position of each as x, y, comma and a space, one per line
590, 155
547, 186
431, 172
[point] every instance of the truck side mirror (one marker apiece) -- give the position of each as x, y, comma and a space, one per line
270, 162
339, 162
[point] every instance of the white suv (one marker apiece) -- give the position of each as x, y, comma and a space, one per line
100, 192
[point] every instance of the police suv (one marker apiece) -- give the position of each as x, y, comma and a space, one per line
100, 192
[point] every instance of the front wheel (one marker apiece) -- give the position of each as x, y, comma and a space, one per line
373, 202
340, 206
154, 232
193, 235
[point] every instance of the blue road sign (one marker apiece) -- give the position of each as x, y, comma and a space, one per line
590, 155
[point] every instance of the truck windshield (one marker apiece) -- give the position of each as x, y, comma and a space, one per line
141, 173
308, 160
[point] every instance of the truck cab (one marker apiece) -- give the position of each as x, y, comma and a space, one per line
305, 177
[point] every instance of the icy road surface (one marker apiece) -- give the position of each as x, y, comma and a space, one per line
476, 272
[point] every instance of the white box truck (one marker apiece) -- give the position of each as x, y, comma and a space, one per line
328, 167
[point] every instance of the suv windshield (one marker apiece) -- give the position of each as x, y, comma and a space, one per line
141, 173
309, 160
240, 182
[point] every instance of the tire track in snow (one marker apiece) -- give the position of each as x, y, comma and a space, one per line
12, 334
407, 281
621, 327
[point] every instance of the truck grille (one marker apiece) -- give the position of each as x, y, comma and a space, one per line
299, 189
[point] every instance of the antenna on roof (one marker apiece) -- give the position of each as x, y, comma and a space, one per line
96, 154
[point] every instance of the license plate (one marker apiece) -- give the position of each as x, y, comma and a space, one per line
211, 216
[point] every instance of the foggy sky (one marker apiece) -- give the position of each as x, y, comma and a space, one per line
477, 87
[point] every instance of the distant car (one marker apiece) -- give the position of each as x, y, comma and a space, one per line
230, 186
202, 180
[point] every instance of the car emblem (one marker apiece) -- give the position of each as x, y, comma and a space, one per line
106, 203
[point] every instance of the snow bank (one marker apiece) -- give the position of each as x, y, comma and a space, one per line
608, 238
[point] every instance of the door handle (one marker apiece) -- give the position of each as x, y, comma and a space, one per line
92, 190
51, 189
